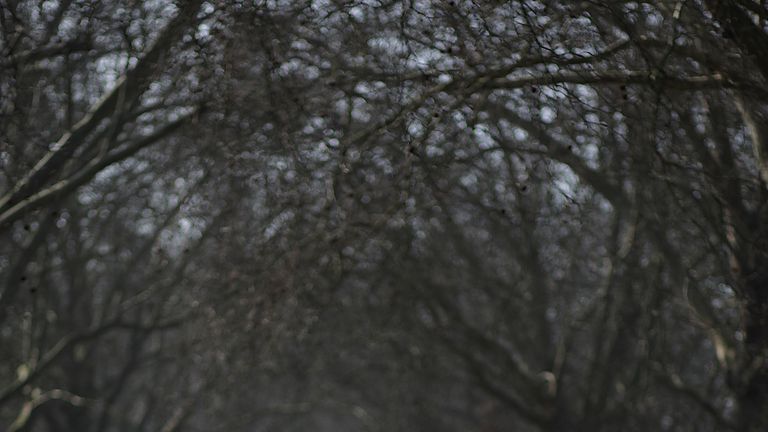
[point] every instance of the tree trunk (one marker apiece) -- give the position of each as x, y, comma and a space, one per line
753, 397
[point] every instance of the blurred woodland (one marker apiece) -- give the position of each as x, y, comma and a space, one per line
380, 215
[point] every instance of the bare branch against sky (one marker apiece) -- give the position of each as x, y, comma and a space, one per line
379, 215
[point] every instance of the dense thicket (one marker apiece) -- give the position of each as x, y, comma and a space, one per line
384, 215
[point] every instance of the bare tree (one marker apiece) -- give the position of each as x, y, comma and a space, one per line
389, 215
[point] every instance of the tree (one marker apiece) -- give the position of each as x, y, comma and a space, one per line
384, 215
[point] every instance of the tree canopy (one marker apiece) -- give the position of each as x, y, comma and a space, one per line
343, 215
